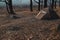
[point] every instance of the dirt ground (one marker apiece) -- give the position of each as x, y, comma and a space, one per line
27, 27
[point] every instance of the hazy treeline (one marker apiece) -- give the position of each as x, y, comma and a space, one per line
45, 4
40, 3
26, 2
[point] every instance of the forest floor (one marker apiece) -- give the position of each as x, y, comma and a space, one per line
27, 27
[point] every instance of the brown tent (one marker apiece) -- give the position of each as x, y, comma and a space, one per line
49, 15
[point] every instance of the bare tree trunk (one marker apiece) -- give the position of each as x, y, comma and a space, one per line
59, 3
45, 3
7, 6
55, 3
10, 7
52, 5
39, 5
31, 4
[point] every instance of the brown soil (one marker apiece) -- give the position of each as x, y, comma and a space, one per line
27, 27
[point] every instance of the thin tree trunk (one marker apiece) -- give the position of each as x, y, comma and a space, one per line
55, 3
59, 3
7, 6
39, 5
31, 4
45, 3
10, 7
52, 5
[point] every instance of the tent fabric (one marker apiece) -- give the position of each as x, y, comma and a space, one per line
50, 14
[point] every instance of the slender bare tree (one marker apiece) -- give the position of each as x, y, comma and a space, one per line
10, 7
38, 4
52, 5
45, 3
31, 5
59, 3
7, 5
55, 3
